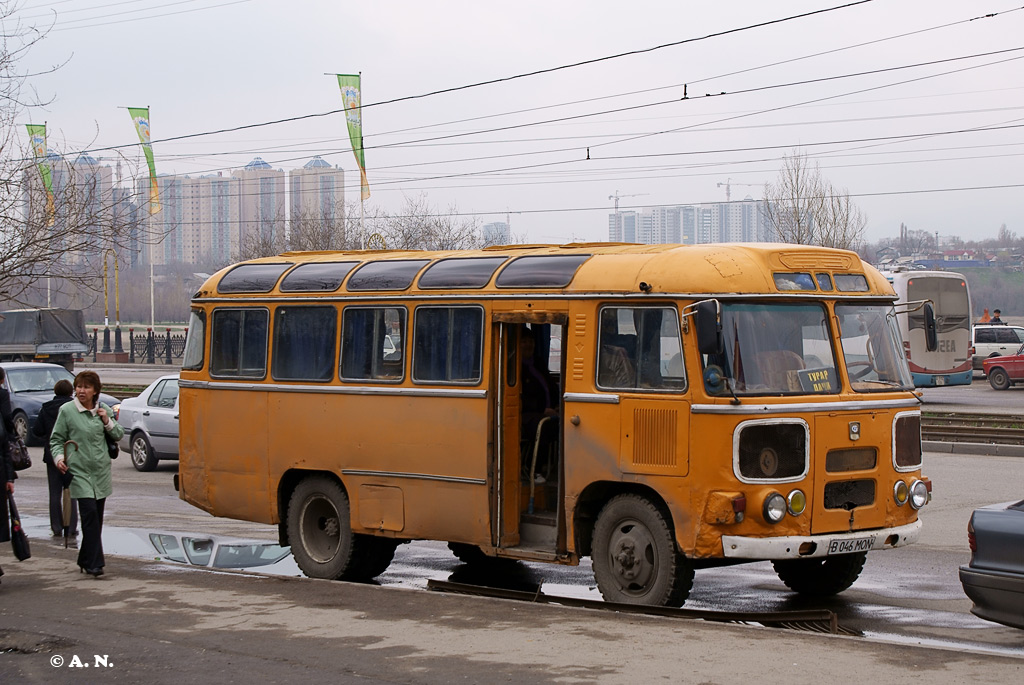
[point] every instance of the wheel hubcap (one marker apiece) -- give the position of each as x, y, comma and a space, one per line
320, 528
633, 557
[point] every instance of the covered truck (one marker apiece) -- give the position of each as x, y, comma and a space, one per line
51, 335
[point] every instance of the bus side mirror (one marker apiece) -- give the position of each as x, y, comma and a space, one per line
931, 333
709, 327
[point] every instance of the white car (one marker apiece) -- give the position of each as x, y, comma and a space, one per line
150, 423
994, 340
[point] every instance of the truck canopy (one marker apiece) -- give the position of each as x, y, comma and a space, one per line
43, 331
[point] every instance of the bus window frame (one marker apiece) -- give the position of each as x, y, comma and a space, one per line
197, 327
633, 388
266, 342
286, 307
341, 345
481, 348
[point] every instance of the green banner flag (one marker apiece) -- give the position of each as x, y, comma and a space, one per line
37, 136
140, 115
350, 94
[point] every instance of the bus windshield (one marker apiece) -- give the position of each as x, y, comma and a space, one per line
773, 349
872, 348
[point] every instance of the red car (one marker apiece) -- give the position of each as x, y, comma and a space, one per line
1003, 372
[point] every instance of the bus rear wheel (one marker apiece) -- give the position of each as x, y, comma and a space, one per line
821, 577
635, 556
321, 536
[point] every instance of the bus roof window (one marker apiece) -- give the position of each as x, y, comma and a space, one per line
824, 281
851, 283
386, 275
316, 277
474, 272
555, 271
252, 278
797, 281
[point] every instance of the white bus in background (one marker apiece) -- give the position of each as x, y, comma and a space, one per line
950, 362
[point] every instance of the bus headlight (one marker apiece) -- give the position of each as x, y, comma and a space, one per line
900, 493
918, 494
796, 502
774, 508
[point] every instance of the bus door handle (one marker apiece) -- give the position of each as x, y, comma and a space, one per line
575, 419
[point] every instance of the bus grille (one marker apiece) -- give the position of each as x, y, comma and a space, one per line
908, 441
849, 494
655, 442
772, 451
862, 459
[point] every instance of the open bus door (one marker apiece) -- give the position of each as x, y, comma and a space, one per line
528, 504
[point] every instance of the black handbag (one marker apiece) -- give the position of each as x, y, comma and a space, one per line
112, 447
20, 458
19, 541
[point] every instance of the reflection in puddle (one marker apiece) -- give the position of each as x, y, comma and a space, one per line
208, 551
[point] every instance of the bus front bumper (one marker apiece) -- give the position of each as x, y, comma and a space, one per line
812, 546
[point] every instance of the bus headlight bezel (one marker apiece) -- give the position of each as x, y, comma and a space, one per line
901, 492
796, 502
918, 494
774, 508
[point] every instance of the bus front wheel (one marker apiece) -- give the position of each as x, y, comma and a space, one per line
321, 536
821, 577
635, 556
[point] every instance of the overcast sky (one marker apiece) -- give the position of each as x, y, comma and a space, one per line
904, 142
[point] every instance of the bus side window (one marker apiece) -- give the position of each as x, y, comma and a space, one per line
238, 345
364, 352
447, 344
640, 348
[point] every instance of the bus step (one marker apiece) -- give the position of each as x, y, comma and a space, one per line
537, 530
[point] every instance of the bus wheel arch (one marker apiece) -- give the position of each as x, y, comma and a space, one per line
317, 521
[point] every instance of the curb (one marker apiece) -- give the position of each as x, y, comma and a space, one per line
979, 448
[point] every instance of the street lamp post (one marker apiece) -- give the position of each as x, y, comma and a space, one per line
118, 348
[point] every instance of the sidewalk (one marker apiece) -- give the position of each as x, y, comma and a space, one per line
160, 623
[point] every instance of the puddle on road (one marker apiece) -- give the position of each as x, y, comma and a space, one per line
186, 549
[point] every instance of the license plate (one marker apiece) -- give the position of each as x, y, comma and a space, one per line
850, 545
940, 380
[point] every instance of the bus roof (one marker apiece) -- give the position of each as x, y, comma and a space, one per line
713, 269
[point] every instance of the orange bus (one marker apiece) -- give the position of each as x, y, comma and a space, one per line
657, 408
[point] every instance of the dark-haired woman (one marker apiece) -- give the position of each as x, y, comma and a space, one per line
86, 421
42, 428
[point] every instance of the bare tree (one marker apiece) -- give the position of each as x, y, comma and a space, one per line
60, 234
419, 226
322, 231
802, 207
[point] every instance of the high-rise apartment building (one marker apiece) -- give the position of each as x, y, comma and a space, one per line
262, 192
316, 192
718, 222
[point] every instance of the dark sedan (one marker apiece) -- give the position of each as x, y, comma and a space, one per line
30, 384
994, 580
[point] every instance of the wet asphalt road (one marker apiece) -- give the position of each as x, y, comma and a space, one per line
908, 595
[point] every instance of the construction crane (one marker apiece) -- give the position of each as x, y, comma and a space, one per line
616, 197
728, 187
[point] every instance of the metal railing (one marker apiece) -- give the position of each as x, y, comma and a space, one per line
145, 347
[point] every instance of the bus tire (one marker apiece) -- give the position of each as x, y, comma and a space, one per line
821, 577
999, 379
635, 556
320, 532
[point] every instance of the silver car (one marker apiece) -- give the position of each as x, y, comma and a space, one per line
150, 423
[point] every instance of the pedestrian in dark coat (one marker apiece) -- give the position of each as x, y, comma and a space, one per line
7, 477
56, 480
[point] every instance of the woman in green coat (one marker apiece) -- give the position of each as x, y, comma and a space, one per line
85, 420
